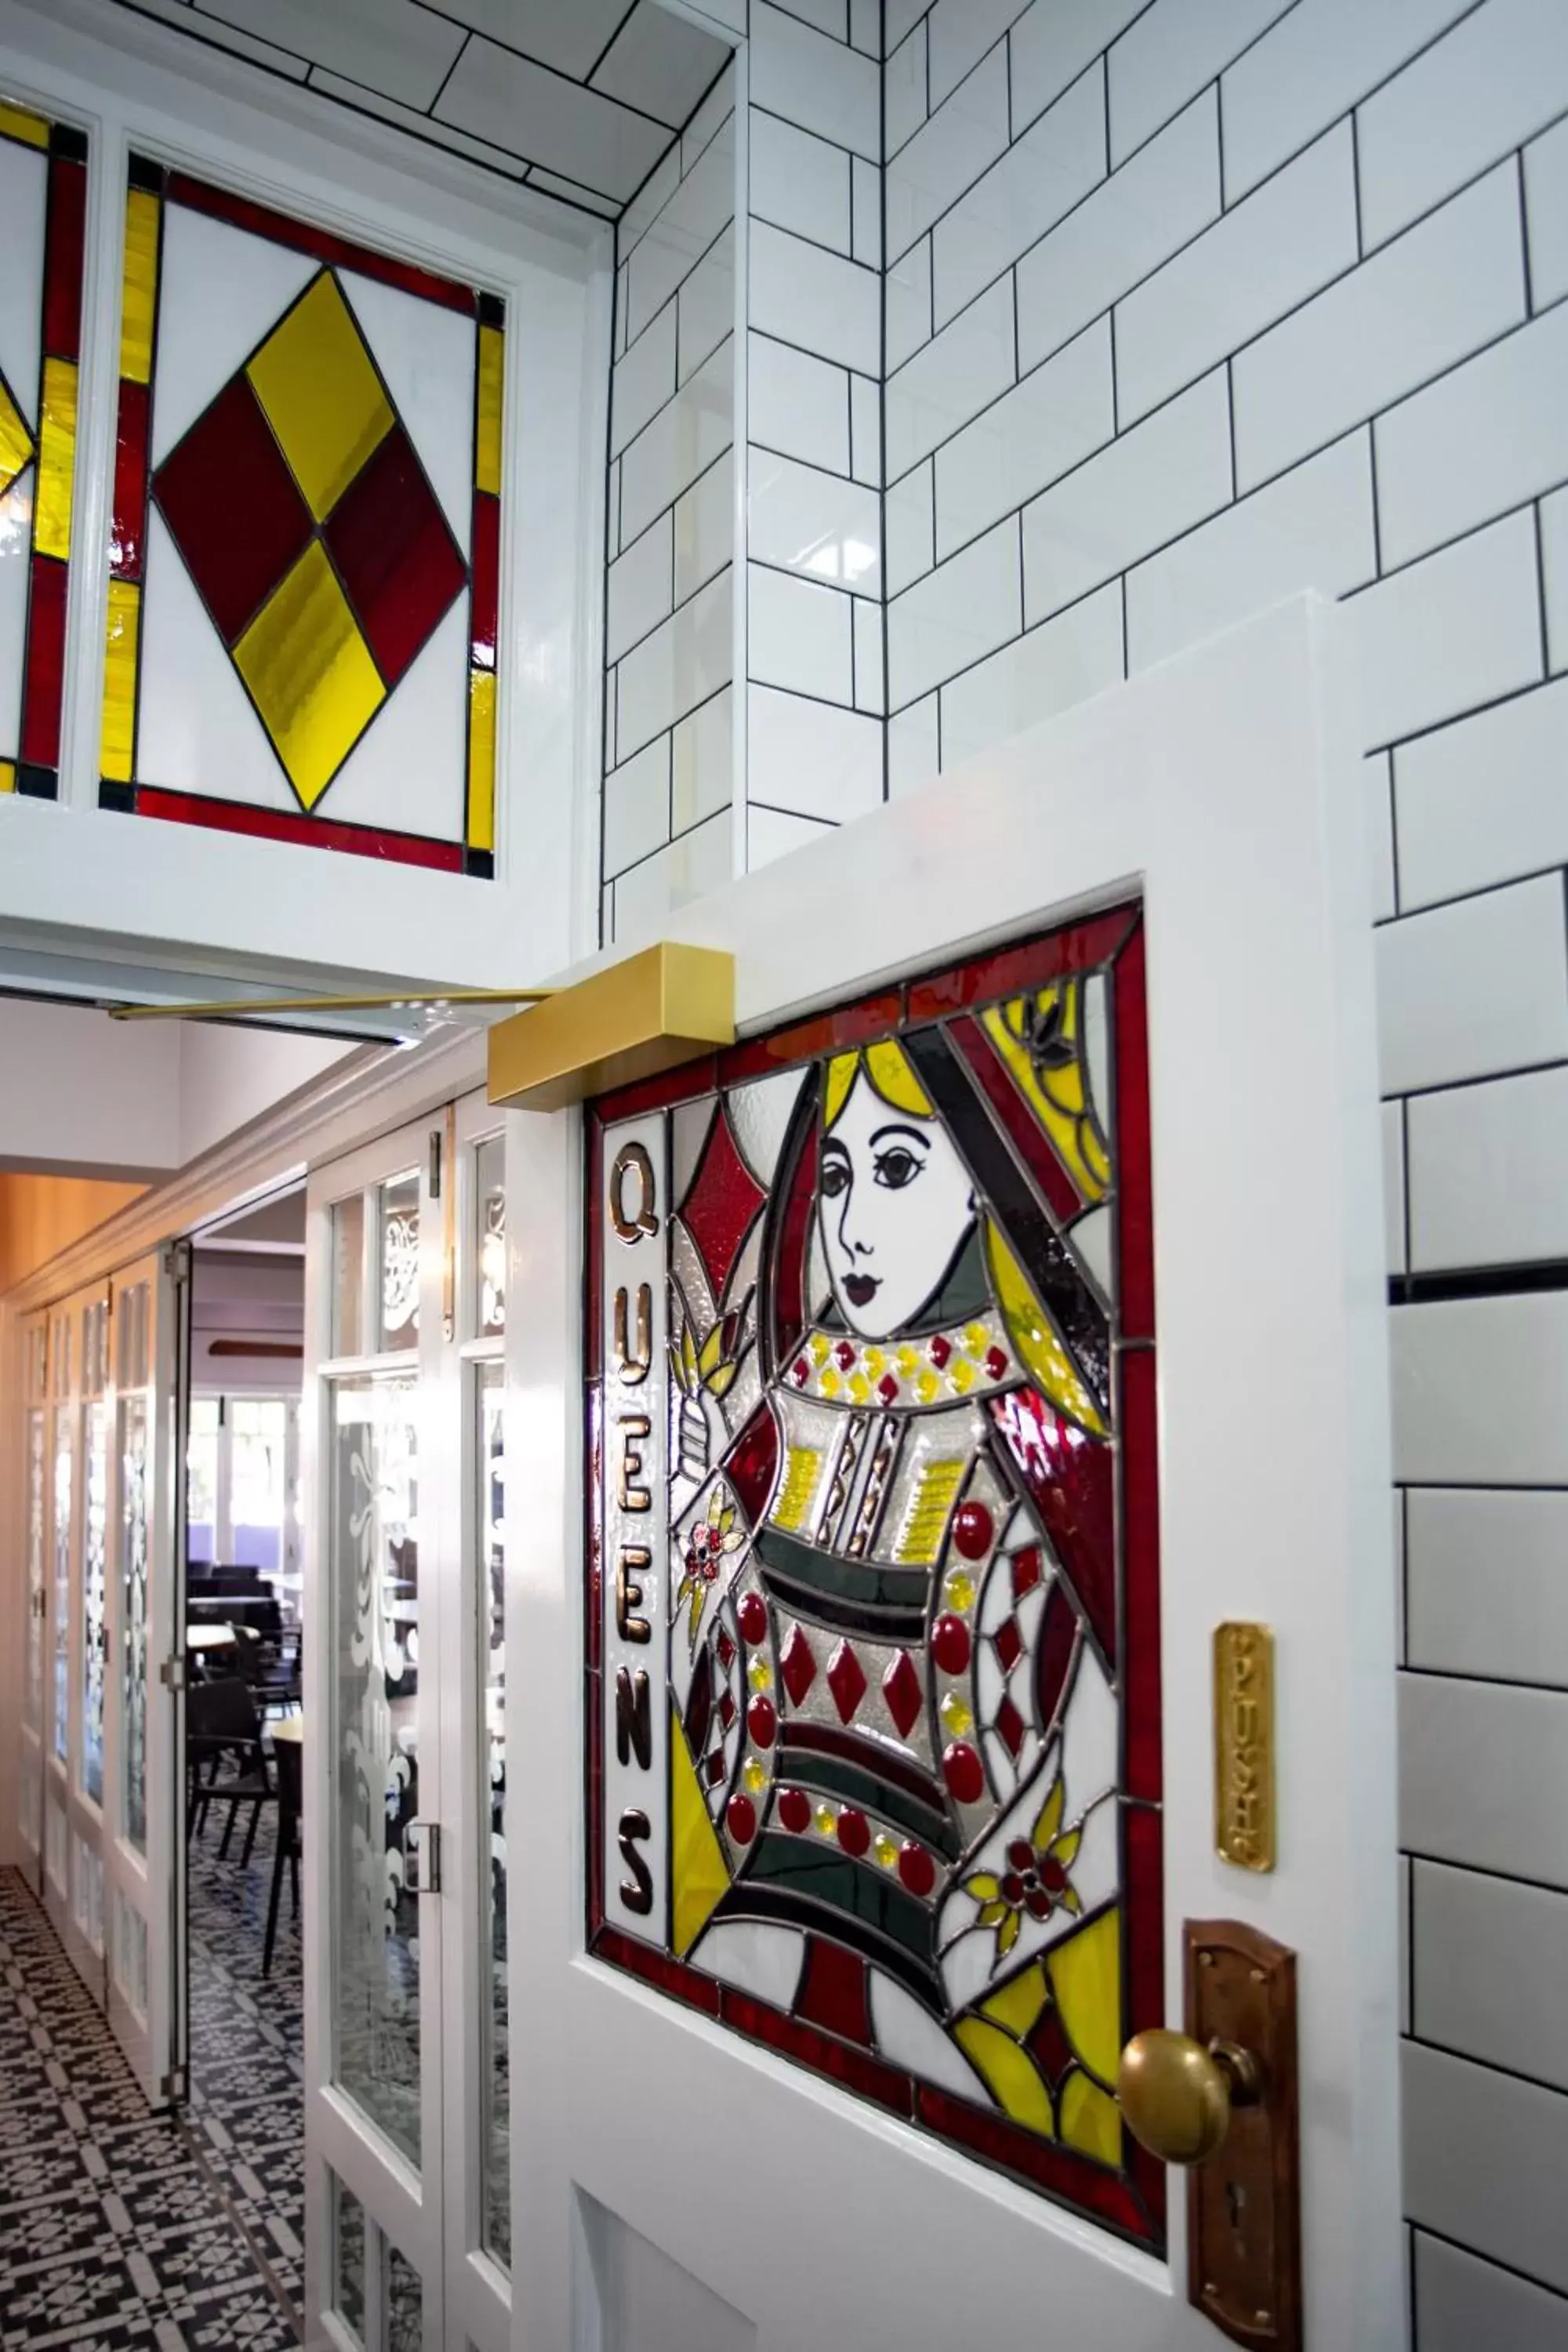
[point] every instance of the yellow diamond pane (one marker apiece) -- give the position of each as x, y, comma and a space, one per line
323, 397
56, 460
119, 680
309, 673
15, 122
139, 286
482, 758
15, 441
486, 426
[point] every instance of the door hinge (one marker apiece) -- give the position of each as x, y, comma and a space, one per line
173, 2085
172, 1674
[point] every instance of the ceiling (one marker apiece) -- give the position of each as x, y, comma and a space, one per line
577, 98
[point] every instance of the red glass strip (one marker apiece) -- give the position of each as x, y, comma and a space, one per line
395, 556
833, 1992
672, 1977
825, 1033
234, 508
302, 237
1061, 2173
1079, 948
485, 565
1029, 1137
128, 546
63, 244
857, 2070
1140, 1572
1130, 1146
1071, 1482
45, 679
309, 832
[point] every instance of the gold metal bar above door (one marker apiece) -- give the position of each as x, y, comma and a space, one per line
631, 1021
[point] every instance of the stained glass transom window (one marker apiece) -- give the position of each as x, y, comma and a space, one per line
872, 1603
306, 535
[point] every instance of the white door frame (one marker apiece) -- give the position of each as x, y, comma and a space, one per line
1225, 787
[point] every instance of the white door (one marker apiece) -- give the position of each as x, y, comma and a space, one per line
957, 1354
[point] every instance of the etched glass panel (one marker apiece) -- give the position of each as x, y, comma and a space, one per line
133, 1617
874, 1695
376, 1744
37, 1520
490, 1256
63, 1522
494, 2068
94, 1598
398, 1256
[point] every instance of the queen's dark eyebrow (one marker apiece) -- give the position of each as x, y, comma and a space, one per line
912, 1132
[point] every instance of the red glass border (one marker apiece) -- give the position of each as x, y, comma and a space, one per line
308, 831
303, 236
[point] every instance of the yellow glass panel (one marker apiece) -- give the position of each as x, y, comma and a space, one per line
139, 285
1086, 1976
15, 122
323, 398
15, 441
1009, 2073
1091, 2119
696, 1858
482, 758
1018, 2004
486, 423
119, 680
309, 673
56, 460
7, 776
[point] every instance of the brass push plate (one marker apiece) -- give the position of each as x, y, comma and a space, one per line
1243, 1745
1244, 2206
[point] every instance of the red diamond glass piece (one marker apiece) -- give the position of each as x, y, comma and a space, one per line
395, 554
1009, 1644
1010, 1723
846, 1680
797, 1667
233, 507
901, 1690
720, 1201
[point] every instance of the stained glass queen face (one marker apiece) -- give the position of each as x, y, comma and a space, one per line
896, 1796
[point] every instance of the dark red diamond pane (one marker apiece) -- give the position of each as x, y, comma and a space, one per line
797, 1667
901, 1690
752, 1618
233, 507
395, 556
1010, 1723
1009, 1644
721, 1202
846, 1680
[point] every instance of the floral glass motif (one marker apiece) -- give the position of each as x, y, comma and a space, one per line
873, 1608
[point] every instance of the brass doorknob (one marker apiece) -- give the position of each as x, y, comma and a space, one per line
1177, 2095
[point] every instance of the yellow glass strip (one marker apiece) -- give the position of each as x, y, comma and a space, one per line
119, 681
139, 285
323, 398
56, 460
7, 776
486, 423
15, 441
309, 673
482, 758
15, 122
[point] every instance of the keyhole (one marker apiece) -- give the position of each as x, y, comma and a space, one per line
1236, 2197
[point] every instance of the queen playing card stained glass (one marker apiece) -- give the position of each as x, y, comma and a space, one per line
873, 1607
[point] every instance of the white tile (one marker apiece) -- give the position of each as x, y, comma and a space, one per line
1453, 631
680, 235
866, 26
1378, 767
1049, 421
1491, 1961
1477, 987
1170, 52
866, 429
684, 661
690, 866
1393, 1187
1160, 478
802, 756
1488, 1578
1546, 215
912, 747
904, 89
705, 527
1129, 223
964, 609
957, 374
1050, 47
906, 289
948, 153
810, 79
1062, 663
637, 594
1309, 68
773, 833
1438, 294
961, 33
1479, 440
1500, 76
812, 523
799, 182
871, 665
1449, 1358
1466, 2302
648, 204
1311, 529
1482, 1767
1485, 2159
1482, 801
644, 380
637, 807
797, 635
698, 132
1042, 174
1261, 259
701, 760
866, 214
815, 299
387, 45
1487, 1174
706, 303
1554, 576
683, 440
512, 102
910, 517
797, 404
